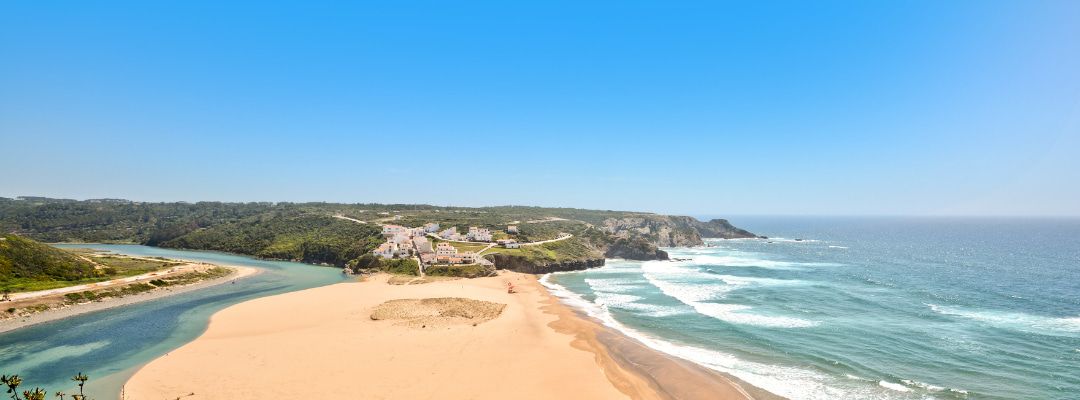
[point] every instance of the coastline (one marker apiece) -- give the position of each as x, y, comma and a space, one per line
54, 314
667, 375
324, 342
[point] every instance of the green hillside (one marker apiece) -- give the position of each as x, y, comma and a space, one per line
25, 263
309, 232
309, 238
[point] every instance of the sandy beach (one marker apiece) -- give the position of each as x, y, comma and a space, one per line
372, 340
13, 323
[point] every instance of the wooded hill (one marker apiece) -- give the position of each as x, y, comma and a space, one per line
309, 232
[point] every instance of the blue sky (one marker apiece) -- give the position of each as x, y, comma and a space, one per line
851, 108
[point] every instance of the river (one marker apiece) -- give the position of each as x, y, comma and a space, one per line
110, 345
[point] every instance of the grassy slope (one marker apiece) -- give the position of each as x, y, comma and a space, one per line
571, 249
25, 264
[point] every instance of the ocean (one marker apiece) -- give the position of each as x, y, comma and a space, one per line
861, 308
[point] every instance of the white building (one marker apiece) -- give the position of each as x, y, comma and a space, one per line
404, 249
511, 229
392, 229
400, 238
422, 245
431, 227
445, 249
450, 234
385, 250
479, 234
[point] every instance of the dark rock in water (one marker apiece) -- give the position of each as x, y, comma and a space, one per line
635, 249
762, 237
798, 240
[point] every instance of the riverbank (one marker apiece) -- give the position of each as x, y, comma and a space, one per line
71, 310
323, 342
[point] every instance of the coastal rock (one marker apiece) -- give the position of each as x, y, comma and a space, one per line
720, 228
635, 249
672, 231
521, 264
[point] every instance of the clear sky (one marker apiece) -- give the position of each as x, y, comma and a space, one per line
852, 107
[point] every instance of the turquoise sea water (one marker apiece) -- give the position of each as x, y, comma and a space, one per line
110, 345
870, 308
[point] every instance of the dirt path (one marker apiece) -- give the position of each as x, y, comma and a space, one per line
564, 237
349, 219
178, 269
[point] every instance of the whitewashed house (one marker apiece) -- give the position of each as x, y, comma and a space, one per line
445, 249
390, 230
450, 234
479, 234
422, 245
385, 250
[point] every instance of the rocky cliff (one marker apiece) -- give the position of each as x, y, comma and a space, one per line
672, 231
635, 249
717, 228
522, 264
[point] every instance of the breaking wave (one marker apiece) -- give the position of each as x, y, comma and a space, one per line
1055, 326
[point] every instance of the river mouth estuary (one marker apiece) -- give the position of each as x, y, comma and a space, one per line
826, 308
110, 345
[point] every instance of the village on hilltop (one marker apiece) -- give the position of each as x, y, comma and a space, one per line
405, 242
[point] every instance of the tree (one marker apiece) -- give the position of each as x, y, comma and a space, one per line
79, 377
35, 394
12, 382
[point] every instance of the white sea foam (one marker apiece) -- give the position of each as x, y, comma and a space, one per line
923, 385
616, 293
1054, 326
731, 313
734, 258
893, 386
702, 296
837, 247
654, 310
756, 281
606, 298
735, 261
613, 285
790, 240
790, 382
